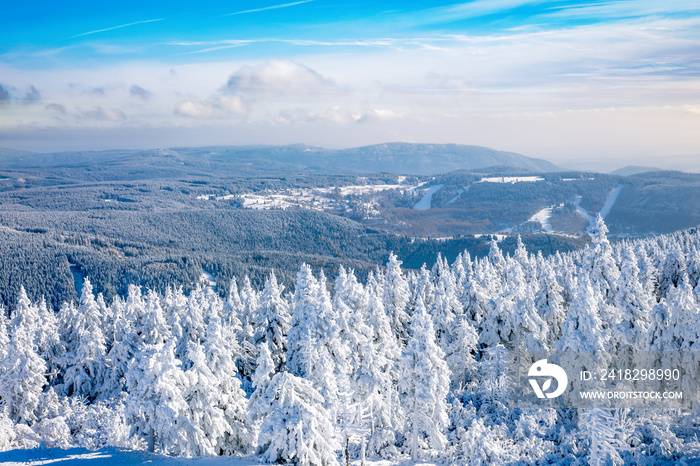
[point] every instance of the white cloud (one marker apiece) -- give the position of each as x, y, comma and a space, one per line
232, 104
194, 109
104, 114
218, 106
279, 78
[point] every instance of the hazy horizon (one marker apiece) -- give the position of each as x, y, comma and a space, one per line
599, 85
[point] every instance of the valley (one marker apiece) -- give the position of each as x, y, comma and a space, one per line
167, 216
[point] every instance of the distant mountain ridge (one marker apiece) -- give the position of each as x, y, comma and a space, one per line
400, 158
631, 170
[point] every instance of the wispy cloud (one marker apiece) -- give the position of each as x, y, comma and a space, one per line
390, 43
116, 27
272, 7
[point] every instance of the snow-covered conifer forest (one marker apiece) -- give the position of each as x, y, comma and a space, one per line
402, 366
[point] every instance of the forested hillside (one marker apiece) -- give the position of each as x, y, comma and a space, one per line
164, 217
399, 158
400, 364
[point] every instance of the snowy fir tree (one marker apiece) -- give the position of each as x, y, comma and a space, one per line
403, 363
157, 409
424, 384
601, 435
295, 426
396, 297
85, 347
273, 321
22, 370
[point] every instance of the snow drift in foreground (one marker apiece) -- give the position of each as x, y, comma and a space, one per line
115, 456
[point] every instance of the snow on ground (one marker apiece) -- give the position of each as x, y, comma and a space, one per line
499, 237
543, 217
610, 201
427, 199
510, 179
589, 217
297, 198
307, 198
209, 279
366, 189
459, 194
116, 457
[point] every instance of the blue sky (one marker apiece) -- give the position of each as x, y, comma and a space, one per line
580, 83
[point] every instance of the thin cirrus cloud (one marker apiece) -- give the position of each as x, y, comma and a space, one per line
268, 8
97, 31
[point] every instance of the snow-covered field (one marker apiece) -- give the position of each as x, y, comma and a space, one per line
610, 201
321, 199
543, 217
426, 201
510, 179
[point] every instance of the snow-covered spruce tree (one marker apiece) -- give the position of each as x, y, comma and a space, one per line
583, 328
673, 267
202, 396
249, 299
461, 359
86, 347
396, 297
422, 285
527, 263
374, 377
453, 332
445, 310
4, 335
424, 381
530, 328
156, 407
598, 263
191, 321
348, 290
264, 370
301, 354
584, 340
634, 302
234, 314
49, 341
494, 382
500, 324
124, 347
22, 371
496, 258
476, 302
597, 424
313, 342
361, 390
675, 326
295, 426
220, 350
233, 306
549, 301
273, 321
